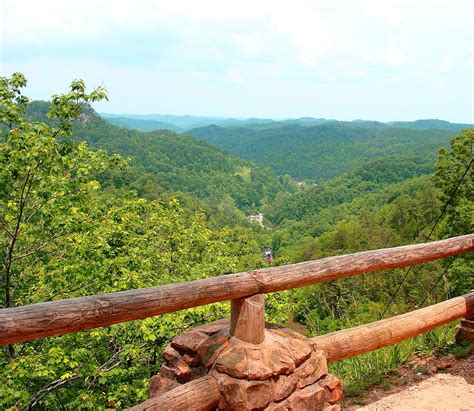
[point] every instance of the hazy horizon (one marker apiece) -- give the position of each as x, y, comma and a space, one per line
224, 117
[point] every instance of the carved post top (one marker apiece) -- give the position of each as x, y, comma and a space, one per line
247, 320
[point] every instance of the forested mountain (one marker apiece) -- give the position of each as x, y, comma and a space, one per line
181, 162
324, 151
363, 179
144, 125
431, 124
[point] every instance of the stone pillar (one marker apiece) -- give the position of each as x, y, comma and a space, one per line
465, 331
285, 371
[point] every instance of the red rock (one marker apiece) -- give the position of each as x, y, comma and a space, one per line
298, 348
333, 387
209, 350
284, 386
198, 372
445, 363
257, 365
264, 363
310, 398
255, 362
280, 361
189, 342
276, 407
300, 351
289, 333
330, 381
312, 369
233, 362
181, 372
214, 327
160, 385
168, 372
237, 394
171, 356
335, 395
191, 359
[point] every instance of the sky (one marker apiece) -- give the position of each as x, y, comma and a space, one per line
378, 60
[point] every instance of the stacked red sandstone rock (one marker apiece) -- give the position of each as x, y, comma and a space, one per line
285, 372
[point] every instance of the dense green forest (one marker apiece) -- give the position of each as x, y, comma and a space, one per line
87, 207
321, 152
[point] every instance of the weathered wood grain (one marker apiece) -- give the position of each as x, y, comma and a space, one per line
369, 337
201, 394
65, 316
247, 319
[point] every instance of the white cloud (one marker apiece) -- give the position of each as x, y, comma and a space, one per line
446, 63
395, 57
249, 44
235, 75
390, 11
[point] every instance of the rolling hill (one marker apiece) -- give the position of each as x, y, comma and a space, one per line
321, 152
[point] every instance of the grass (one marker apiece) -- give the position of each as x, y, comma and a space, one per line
462, 349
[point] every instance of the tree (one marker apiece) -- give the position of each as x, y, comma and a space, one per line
454, 177
42, 177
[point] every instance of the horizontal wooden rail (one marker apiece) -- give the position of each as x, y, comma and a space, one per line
369, 337
198, 395
65, 316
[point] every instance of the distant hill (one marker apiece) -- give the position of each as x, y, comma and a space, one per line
182, 122
324, 151
187, 122
431, 124
144, 125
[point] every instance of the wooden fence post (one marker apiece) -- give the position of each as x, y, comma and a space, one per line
247, 319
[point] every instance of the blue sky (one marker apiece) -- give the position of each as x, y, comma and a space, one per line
380, 60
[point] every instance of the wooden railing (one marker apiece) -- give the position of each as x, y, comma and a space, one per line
369, 337
76, 314
65, 316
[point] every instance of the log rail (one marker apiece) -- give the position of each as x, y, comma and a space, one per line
65, 316
370, 337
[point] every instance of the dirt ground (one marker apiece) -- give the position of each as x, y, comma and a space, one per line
443, 383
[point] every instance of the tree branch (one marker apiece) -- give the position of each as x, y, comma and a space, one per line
39, 247
48, 388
